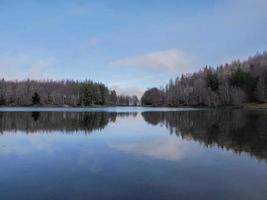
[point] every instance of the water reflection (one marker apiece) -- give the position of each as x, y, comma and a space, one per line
235, 130
69, 122
147, 155
165, 148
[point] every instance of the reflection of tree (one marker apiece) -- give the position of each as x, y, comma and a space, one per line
62, 121
237, 130
35, 115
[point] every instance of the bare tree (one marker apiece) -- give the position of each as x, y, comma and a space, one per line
261, 90
229, 84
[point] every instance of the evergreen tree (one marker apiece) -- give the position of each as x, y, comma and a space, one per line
261, 90
212, 81
36, 99
2, 100
113, 97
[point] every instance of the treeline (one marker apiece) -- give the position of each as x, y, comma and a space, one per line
229, 84
65, 92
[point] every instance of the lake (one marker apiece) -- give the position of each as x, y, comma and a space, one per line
132, 153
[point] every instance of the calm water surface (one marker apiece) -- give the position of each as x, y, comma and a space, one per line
132, 153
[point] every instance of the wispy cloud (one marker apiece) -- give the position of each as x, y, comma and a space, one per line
171, 60
22, 67
130, 86
128, 90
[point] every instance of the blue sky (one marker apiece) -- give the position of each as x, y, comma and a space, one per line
128, 45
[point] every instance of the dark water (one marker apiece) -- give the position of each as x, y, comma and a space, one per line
148, 154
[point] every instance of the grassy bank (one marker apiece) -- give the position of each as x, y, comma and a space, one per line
260, 106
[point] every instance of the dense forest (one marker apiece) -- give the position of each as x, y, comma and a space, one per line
228, 84
65, 92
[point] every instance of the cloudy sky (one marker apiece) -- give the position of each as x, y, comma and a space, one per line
128, 45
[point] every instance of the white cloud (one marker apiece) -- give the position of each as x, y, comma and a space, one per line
128, 90
22, 67
41, 69
171, 60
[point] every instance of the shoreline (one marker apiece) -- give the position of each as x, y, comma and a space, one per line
250, 106
256, 106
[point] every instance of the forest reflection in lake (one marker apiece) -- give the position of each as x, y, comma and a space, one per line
203, 154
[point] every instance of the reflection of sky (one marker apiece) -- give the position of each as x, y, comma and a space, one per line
22, 144
129, 134
166, 148
124, 158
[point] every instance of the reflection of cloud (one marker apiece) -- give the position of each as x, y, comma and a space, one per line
21, 144
170, 148
89, 157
